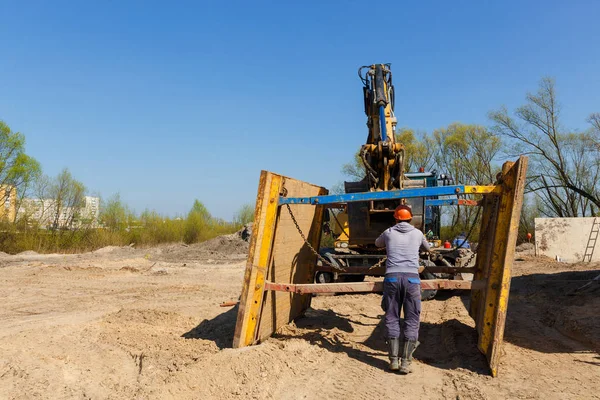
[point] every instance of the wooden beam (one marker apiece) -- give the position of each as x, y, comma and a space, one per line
365, 287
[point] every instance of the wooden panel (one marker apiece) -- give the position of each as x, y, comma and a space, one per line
277, 252
493, 302
486, 239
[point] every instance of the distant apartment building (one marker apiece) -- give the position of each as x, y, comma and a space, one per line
44, 213
8, 203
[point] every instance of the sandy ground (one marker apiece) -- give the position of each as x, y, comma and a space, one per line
123, 323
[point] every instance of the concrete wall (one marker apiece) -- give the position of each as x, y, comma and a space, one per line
566, 238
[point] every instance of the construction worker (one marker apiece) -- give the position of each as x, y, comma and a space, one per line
402, 287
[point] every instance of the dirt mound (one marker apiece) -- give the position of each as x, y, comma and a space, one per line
106, 249
525, 247
218, 250
28, 253
226, 244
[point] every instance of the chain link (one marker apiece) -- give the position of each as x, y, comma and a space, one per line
316, 253
379, 263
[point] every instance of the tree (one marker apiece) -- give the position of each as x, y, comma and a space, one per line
17, 169
419, 150
594, 120
197, 223
37, 209
564, 165
201, 210
115, 215
355, 169
529, 213
244, 215
68, 197
467, 153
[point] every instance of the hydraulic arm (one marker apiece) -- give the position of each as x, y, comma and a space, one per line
382, 156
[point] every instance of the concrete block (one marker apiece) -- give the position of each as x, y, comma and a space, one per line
565, 238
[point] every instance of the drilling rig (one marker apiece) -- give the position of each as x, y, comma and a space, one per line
283, 257
357, 225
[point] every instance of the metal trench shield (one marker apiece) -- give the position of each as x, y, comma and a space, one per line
495, 255
280, 256
277, 253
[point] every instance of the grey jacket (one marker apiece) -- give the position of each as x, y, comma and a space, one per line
402, 243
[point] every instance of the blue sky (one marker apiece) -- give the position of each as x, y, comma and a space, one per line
165, 102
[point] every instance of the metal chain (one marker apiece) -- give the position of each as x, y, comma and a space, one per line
384, 259
379, 263
316, 253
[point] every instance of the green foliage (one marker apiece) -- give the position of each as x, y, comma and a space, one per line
151, 228
468, 153
419, 150
201, 210
197, 223
200, 225
244, 215
122, 228
114, 215
16, 168
355, 169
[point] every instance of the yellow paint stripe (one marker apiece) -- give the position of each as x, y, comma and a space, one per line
264, 257
481, 189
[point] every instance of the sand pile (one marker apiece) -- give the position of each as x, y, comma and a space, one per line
222, 249
524, 247
28, 253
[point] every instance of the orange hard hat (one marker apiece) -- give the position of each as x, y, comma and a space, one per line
403, 213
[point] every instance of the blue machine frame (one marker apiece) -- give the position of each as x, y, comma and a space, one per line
393, 194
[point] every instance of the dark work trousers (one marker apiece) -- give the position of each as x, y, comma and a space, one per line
402, 290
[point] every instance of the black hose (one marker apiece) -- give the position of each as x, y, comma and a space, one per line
363, 157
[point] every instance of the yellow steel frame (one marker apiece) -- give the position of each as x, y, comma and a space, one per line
254, 279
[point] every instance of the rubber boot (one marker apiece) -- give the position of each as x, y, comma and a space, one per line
394, 349
407, 351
